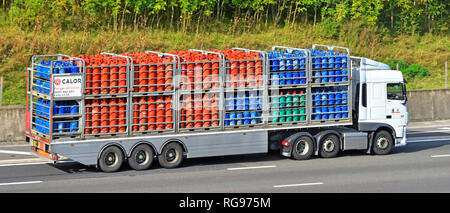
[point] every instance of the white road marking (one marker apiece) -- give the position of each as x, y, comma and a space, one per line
445, 128
300, 184
14, 152
439, 156
20, 183
428, 140
427, 132
253, 167
22, 164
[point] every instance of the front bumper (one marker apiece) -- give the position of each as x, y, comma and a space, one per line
400, 141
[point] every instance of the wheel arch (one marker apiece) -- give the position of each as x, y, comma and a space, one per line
318, 137
121, 148
292, 138
375, 127
150, 144
185, 150
388, 129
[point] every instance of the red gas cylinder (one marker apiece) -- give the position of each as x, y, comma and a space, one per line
114, 83
122, 114
104, 109
95, 116
113, 115
151, 113
143, 114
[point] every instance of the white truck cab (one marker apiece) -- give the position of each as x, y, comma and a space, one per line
382, 101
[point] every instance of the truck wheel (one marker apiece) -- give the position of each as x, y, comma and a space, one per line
171, 156
329, 146
382, 143
111, 159
302, 148
141, 157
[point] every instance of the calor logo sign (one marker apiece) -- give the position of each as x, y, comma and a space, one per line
57, 82
67, 86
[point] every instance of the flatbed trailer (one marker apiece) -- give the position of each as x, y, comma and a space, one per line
372, 117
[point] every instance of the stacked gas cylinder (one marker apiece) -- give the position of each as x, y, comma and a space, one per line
244, 88
288, 83
46, 110
199, 92
330, 81
106, 91
153, 92
193, 90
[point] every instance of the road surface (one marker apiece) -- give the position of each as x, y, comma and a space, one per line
421, 166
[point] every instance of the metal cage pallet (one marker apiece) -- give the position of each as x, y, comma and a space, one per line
45, 99
209, 101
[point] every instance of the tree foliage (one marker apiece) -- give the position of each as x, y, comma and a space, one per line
401, 16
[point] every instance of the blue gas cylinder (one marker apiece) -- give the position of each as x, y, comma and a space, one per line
282, 62
302, 63
296, 78
75, 68
240, 101
230, 103
289, 62
338, 99
253, 100
296, 61
246, 102
275, 62
345, 77
324, 100
232, 119
74, 126
344, 98
227, 119
282, 78
331, 99
288, 78
317, 100
275, 79
239, 120
74, 108
317, 117
61, 127
344, 108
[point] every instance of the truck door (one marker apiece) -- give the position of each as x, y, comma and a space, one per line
376, 101
396, 111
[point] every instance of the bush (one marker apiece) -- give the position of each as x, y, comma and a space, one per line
410, 70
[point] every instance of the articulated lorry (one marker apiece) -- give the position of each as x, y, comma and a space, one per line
140, 108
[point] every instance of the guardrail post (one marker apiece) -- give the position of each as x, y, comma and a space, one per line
446, 82
1, 91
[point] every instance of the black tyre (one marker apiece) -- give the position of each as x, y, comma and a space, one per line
141, 157
302, 148
382, 143
171, 156
111, 159
329, 146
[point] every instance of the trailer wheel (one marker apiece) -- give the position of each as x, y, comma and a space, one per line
171, 156
329, 146
141, 157
111, 159
302, 148
382, 143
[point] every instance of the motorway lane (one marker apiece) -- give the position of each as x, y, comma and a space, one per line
408, 169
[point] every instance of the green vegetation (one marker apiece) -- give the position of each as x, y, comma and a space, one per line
412, 33
409, 70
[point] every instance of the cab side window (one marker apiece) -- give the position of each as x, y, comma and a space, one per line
395, 91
